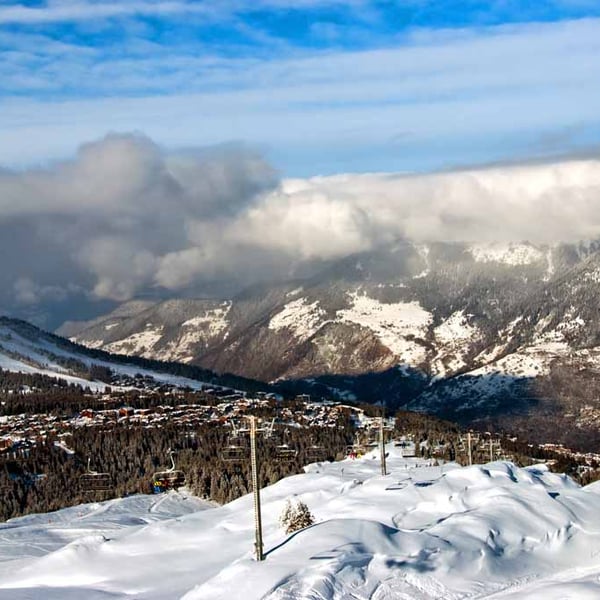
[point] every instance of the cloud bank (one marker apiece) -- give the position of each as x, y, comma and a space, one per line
126, 218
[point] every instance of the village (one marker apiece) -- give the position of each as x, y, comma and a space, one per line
20, 433
145, 403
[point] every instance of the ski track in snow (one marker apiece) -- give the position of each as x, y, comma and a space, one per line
420, 533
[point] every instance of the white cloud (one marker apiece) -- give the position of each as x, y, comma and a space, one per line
108, 218
125, 217
333, 216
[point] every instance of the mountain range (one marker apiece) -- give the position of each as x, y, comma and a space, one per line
469, 331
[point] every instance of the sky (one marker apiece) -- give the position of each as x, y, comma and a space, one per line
157, 148
319, 86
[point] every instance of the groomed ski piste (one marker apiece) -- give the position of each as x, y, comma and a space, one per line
420, 532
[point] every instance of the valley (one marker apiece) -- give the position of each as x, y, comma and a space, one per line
466, 331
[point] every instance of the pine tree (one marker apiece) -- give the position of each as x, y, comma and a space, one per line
297, 517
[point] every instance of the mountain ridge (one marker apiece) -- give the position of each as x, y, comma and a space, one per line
422, 316
26, 348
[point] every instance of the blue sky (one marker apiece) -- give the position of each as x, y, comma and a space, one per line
318, 86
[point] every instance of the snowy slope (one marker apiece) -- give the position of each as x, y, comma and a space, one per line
396, 325
421, 532
199, 330
507, 253
26, 349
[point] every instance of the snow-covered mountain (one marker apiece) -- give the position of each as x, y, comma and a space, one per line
451, 323
25, 348
421, 532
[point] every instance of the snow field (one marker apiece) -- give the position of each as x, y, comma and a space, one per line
201, 329
138, 343
509, 254
454, 337
421, 532
391, 323
302, 318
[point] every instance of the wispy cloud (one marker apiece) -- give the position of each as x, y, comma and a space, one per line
475, 95
61, 11
84, 11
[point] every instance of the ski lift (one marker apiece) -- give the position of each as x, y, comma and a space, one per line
371, 438
268, 431
237, 448
283, 451
407, 446
235, 453
189, 441
16, 454
316, 453
171, 479
93, 481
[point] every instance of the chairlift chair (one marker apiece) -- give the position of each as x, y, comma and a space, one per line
93, 481
170, 479
360, 445
284, 453
372, 438
19, 454
190, 441
235, 453
316, 453
237, 449
268, 430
